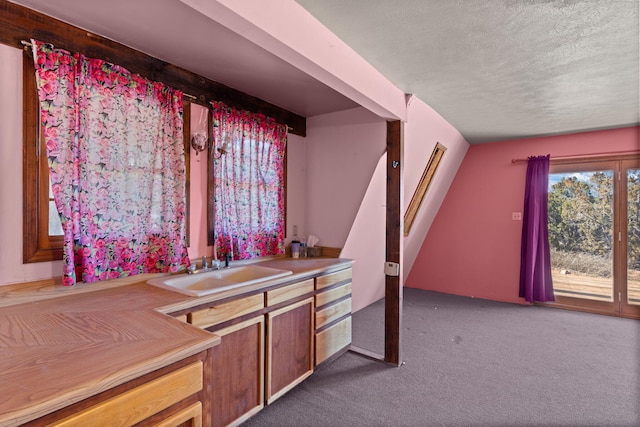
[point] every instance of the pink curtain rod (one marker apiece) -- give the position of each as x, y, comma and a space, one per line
615, 153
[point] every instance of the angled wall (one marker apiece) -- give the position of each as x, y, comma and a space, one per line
365, 241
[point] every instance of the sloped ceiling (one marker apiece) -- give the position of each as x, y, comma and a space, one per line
495, 69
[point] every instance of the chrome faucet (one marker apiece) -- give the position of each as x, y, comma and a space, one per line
215, 265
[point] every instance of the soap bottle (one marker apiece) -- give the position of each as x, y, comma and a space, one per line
295, 248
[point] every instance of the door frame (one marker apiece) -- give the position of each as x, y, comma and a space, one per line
619, 165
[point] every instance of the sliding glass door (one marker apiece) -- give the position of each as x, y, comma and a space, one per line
594, 235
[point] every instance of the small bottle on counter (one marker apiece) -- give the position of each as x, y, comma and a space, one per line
295, 249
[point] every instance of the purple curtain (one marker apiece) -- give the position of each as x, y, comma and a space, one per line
535, 262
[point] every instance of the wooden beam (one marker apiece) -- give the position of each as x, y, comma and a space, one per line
393, 284
20, 23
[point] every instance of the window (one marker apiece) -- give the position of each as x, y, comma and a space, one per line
42, 235
42, 232
246, 184
594, 234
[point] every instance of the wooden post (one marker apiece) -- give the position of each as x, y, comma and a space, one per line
394, 218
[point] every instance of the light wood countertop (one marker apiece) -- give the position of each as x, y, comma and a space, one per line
60, 345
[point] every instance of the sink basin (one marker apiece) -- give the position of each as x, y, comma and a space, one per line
200, 284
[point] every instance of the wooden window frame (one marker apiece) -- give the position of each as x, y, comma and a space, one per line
618, 306
37, 244
211, 217
422, 187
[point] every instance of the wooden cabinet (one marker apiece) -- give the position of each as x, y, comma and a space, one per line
170, 397
289, 347
271, 341
237, 365
332, 314
237, 373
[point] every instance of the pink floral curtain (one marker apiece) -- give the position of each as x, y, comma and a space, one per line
249, 183
117, 168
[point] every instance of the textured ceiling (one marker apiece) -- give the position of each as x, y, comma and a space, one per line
495, 69
501, 69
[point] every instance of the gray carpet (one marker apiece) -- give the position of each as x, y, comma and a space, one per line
472, 362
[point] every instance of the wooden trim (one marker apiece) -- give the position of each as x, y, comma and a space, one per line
325, 297
219, 313
593, 158
423, 185
37, 246
333, 278
617, 164
191, 413
366, 353
332, 339
141, 402
186, 139
289, 292
393, 284
329, 252
258, 405
272, 395
20, 23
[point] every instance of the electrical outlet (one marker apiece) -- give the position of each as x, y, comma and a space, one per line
516, 216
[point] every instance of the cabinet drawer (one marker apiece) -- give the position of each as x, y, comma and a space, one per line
332, 312
226, 311
141, 402
182, 318
191, 415
333, 278
333, 294
333, 339
285, 293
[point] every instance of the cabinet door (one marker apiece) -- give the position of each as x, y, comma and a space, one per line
289, 347
238, 373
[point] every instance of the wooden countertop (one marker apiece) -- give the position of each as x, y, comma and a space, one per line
60, 345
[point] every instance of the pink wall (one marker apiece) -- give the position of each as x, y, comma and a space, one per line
12, 269
342, 151
473, 245
346, 183
277, 26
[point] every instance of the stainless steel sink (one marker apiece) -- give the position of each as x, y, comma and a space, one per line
218, 280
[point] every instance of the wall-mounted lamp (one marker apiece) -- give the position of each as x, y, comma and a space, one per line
199, 142
224, 149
